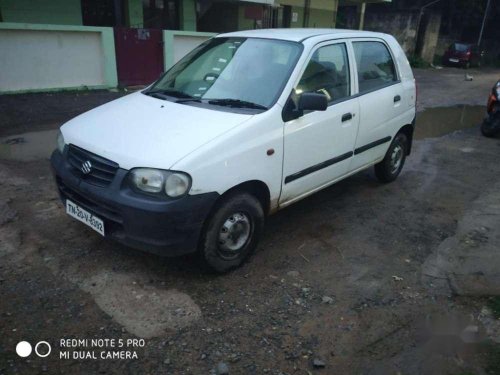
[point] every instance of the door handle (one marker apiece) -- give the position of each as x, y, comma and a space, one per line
397, 98
346, 117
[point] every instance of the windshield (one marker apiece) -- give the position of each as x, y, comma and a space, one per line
238, 72
459, 47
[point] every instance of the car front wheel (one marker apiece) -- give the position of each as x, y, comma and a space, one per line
232, 232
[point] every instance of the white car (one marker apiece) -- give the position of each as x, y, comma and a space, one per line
244, 125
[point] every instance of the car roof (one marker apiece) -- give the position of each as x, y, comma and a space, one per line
298, 35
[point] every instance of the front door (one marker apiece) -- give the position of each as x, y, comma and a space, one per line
319, 145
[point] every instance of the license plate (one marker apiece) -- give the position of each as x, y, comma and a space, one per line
454, 60
85, 217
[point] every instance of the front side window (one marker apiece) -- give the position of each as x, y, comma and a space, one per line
374, 65
327, 73
232, 71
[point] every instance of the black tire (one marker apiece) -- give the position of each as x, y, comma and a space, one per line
490, 128
386, 170
238, 205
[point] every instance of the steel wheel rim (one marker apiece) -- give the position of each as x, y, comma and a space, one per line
396, 158
234, 234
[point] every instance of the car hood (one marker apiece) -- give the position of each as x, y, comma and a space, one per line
141, 131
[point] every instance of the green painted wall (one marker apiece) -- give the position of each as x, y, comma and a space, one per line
322, 13
243, 22
300, 16
249, 24
188, 15
57, 12
321, 18
135, 17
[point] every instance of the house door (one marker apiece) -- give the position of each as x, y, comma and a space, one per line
139, 55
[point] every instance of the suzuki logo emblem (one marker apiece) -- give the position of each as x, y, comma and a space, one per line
86, 167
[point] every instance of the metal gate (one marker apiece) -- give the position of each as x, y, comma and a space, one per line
139, 55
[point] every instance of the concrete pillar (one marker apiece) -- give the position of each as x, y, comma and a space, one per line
307, 12
188, 15
335, 9
134, 13
361, 8
118, 12
429, 37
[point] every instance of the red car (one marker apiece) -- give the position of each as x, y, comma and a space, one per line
462, 54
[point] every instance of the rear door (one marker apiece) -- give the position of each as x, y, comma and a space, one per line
319, 145
381, 98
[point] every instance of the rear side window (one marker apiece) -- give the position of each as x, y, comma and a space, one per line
375, 66
327, 73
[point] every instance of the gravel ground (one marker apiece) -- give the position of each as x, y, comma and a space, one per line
336, 286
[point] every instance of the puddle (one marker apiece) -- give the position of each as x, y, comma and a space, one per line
28, 146
435, 122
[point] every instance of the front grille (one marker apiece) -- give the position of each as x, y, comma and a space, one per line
102, 171
113, 221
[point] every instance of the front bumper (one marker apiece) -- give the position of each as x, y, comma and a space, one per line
167, 227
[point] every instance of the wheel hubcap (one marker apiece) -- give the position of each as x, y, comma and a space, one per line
396, 158
234, 233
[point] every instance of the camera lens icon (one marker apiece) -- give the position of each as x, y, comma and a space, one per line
42, 349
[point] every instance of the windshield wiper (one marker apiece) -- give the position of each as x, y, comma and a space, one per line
236, 103
191, 99
162, 93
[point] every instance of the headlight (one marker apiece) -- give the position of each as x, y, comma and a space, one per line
60, 142
177, 184
174, 184
148, 180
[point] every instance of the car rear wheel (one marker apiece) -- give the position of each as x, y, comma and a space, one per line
232, 232
491, 124
490, 127
392, 164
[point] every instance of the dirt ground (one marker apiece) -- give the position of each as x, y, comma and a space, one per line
348, 281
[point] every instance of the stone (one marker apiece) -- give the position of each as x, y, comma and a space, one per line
318, 363
326, 299
222, 369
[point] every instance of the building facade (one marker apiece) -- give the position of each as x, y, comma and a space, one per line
189, 15
96, 44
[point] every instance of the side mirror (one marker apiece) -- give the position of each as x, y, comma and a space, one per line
311, 101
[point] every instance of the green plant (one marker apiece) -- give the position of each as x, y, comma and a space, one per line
418, 62
438, 59
493, 360
494, 305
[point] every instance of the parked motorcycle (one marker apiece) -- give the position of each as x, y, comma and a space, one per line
491, 124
